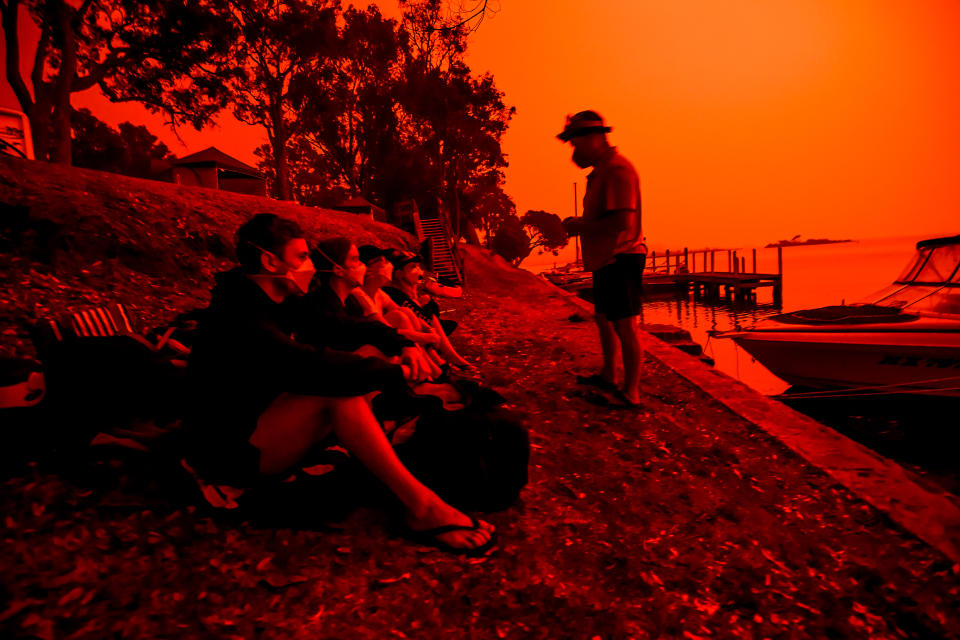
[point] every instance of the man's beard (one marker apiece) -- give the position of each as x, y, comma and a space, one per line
580, 159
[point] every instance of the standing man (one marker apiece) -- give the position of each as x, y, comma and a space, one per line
613, 249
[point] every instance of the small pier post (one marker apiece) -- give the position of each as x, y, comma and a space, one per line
754, 261
713, 255
668, 261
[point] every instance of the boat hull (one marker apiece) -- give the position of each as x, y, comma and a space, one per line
922, 360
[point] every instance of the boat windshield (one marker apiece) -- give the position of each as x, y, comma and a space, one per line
901, 297
945, 300
933, 265
918, 260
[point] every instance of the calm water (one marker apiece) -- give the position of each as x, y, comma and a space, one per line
814, 276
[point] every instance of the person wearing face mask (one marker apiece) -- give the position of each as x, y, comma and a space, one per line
324, 320
613, 249
405, 291
260, 399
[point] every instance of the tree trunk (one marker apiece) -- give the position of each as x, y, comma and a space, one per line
63, 85
39, 117
279, 142
282, 171
470, 233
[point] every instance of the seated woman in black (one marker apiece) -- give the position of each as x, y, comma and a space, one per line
323, 318
405, 291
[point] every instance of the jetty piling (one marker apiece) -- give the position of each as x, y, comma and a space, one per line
735, 285
678, 271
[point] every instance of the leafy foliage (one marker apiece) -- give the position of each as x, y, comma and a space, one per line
279, 54
131, 151
510, 241
545, 229
157, 52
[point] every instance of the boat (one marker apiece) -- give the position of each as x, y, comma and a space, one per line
903, 339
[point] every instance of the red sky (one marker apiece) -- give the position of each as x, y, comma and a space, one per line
748, 121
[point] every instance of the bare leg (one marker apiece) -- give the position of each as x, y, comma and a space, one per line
627, 332
610, 345
445, 347
292, 423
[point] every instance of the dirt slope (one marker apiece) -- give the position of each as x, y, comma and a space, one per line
73, 237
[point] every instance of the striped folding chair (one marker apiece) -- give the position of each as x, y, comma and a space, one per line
98, 322
111, 320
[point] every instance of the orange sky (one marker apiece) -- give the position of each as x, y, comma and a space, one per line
748, 121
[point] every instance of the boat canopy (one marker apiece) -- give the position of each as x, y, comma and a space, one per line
938, 242
931, 282
935, 263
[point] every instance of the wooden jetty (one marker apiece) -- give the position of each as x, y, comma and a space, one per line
698, 272
716, 275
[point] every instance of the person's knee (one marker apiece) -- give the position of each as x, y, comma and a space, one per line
398, 320
348, 410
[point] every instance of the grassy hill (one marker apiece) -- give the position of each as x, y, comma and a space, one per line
74, 237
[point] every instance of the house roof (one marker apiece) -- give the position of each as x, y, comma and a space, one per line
214, 157
355, 202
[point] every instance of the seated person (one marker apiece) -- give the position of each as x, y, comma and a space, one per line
324, 320
405, 291
371, 302
261, 399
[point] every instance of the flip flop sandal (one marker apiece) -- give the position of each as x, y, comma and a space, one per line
598, 381
430, 538
593, 397
621, 401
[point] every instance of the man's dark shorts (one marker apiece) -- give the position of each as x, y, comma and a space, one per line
618, 287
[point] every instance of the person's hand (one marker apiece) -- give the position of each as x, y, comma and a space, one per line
572, 225
414, 360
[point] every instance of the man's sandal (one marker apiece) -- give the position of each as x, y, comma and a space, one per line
598, 381
621, 401
431, 538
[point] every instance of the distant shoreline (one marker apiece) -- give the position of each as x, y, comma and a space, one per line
801, 243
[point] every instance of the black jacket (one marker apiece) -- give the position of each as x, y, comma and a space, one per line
243, 357
324, 320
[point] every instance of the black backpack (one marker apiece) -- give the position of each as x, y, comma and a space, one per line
474, 458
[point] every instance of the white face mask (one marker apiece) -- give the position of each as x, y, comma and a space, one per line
353, 277
302, 275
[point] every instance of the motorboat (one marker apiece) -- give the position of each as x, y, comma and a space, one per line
903, 339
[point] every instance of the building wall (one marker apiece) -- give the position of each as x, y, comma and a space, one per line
247, 186
196, 176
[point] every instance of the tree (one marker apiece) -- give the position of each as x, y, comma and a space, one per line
459, 119
352, 119
544, 230
510, 241
131, 151
157, 52
280, 52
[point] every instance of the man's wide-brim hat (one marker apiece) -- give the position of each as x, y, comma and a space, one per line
582, 124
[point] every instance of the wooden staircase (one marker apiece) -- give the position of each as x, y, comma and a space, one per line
443, 259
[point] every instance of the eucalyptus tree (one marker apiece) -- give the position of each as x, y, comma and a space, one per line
165, 54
